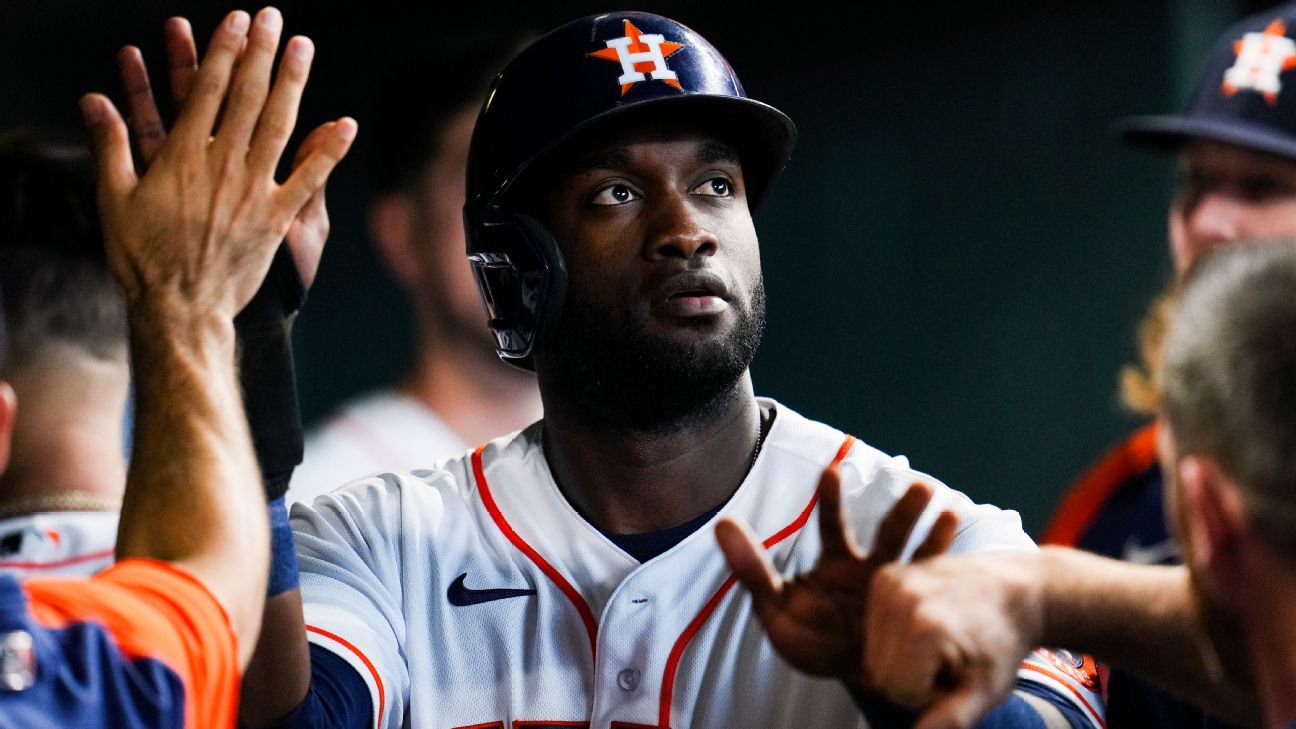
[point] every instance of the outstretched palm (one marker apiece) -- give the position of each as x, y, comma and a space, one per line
816, 620
309, 228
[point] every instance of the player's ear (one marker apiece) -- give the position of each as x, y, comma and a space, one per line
1215, 521
391, 225
8, 413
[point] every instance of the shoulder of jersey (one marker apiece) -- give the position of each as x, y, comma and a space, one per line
799, 437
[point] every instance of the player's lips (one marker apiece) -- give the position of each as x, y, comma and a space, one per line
690, 294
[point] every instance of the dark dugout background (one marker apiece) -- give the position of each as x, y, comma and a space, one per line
956, 256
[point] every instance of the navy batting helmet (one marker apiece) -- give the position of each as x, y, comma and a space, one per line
573, 79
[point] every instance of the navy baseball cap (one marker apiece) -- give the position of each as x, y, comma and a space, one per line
1246, 96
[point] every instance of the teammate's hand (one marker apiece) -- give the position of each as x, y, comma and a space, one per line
309, 229
200, 227
816, 620
949, 633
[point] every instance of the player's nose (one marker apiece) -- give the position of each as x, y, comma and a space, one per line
1214, 219
677, 230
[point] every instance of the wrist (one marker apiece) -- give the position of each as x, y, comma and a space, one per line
168, 318
1028, 593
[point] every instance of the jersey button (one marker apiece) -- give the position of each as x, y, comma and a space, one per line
628, 679
18, 661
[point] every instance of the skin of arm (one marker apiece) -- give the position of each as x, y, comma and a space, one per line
972, 618
190, 242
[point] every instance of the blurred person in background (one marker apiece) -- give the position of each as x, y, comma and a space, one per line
1235, 146
66, 365
1219, 631
456, 392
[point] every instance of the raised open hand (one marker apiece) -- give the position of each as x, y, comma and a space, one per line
203, 222
309, 230
816, 620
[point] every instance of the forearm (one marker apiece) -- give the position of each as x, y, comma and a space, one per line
277, 679
1141, 618
193, 491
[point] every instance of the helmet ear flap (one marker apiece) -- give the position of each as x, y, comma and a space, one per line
522, 279
549, 308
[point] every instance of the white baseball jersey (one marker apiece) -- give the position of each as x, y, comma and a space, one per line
474, 595
58, 543
382, 431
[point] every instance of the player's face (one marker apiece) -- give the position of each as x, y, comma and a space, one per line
1227, 194
665, 291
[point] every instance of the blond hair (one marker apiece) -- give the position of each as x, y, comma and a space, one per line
1140, 382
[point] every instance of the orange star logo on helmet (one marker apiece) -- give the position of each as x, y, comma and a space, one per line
1261, 58
642, 57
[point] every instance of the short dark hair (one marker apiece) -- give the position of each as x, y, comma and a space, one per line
1229, 378
53, 272
416, 102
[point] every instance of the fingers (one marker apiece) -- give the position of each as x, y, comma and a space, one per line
750, 564
312, 142
250, 83
110, 143
896, 525
960, 709
310, 229
280, 114
182, 57
145, 120
833, 533
313, 172
940, 537
207, 91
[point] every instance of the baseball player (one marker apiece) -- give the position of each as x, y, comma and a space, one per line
1217, 632
567, 575
61, 423
157, 640
1236, 149
455, 392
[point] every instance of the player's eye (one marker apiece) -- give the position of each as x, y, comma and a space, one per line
716, 187
1262, 188
617, 194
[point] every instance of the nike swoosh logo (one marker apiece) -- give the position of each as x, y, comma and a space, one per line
1152, 554
462, 596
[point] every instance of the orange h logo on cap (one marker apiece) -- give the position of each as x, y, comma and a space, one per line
640, 54
1261, 57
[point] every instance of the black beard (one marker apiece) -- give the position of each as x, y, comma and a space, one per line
632, 381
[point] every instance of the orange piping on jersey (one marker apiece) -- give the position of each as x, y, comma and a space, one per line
382, 696
519, 724
1091, 493
487, 725
154, 610
1067, 683
89, 557
677, 651
587, 615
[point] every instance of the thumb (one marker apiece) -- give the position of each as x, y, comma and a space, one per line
960, 709
110, 143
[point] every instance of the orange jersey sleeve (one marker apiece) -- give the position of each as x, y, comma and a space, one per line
154, 610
